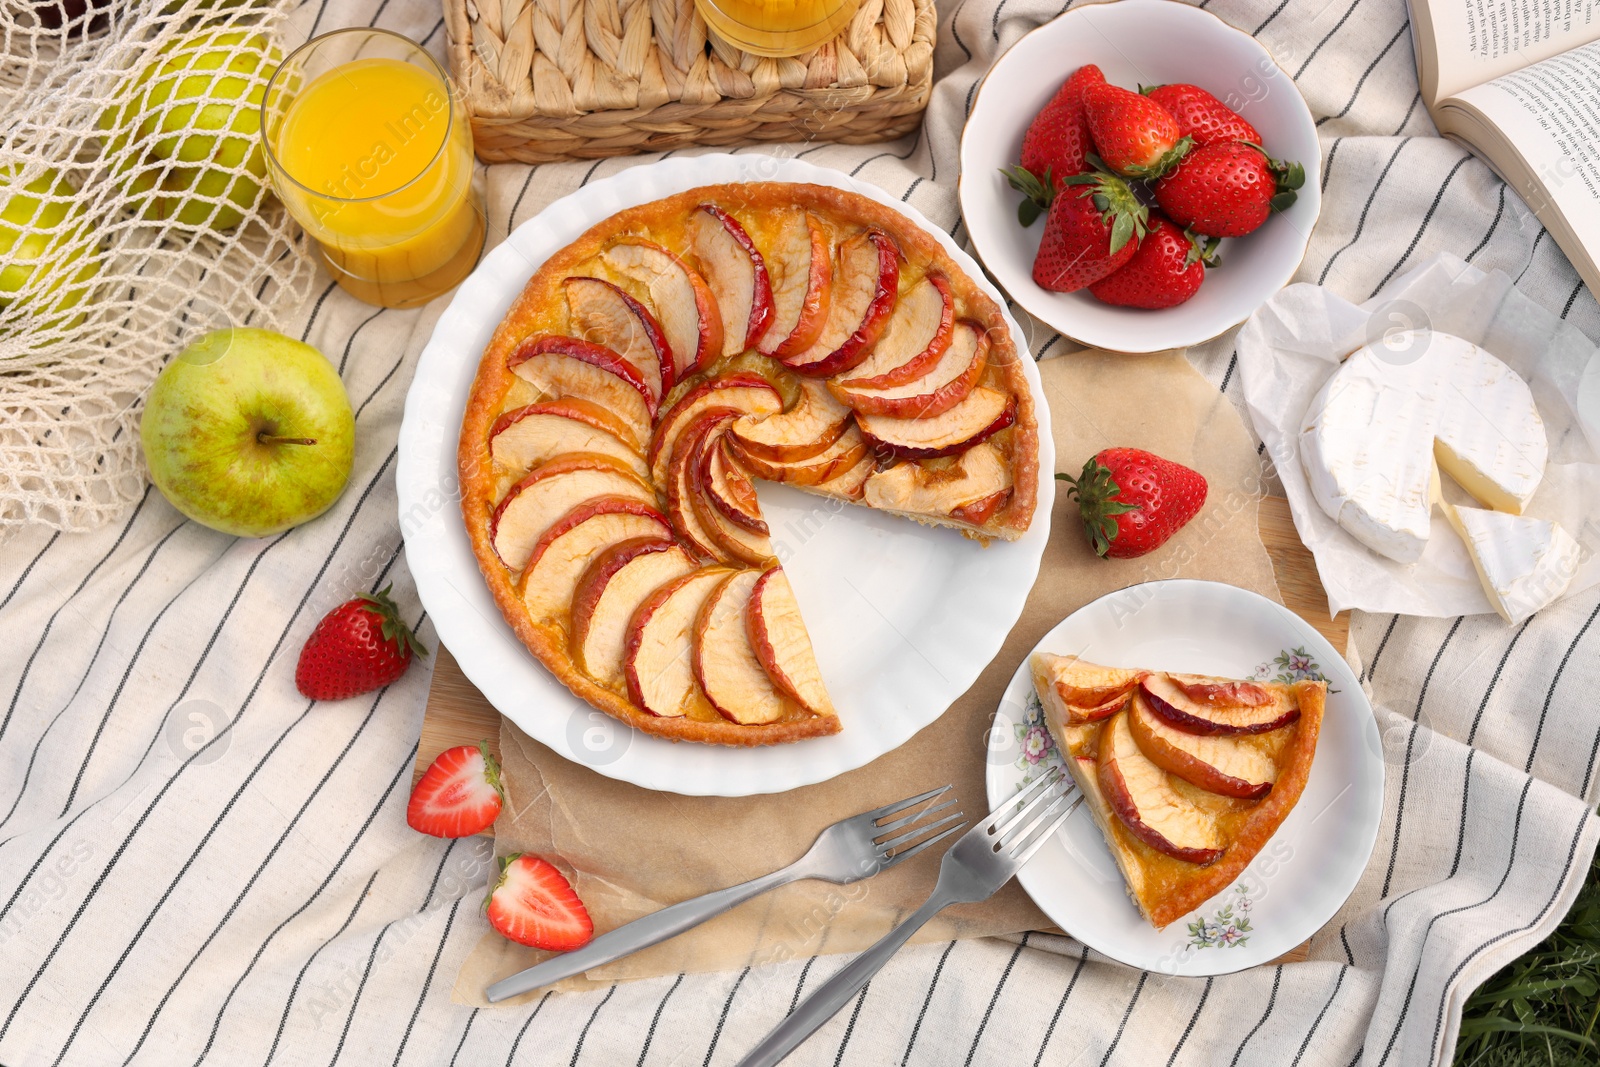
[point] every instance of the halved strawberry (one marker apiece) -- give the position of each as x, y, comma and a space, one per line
533, 904
458, 795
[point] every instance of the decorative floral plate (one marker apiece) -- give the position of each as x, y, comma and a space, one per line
1308, 868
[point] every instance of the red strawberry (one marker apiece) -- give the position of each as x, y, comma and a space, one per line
533, 904
1165, 271
1056, 145
1132, 501
1228, 189
359, 646
1093, 228
458, 795
1201, 116
1135, 135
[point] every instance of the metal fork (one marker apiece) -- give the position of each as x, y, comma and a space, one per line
973, 869
845, 852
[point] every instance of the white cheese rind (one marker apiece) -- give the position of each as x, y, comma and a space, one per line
1524, 563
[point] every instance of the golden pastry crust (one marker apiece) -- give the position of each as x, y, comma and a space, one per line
541, 309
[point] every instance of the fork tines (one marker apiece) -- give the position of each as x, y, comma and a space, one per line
904, 842
1019, 836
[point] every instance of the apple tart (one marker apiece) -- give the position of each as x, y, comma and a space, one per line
1187, 776
677, 353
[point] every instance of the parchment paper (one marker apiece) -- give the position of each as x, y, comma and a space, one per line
631, 851
1292, 344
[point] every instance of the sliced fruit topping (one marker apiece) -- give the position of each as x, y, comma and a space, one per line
658, 661
567, 366
836, 459
978, 473
681, 298
1091, 696
851, 485
946, 383
733, 541
1146, 803
549, 492
1182, 712
982, 413
729, 489
815, 422
864, 290
458, 795
682, 488
610, 591
604, 314
525, 437
1078, 715
533, 904
778, 635
1221, 691
915, 337
802, 287
725, 663
981, 511
565, 551
739, 393
737, 274
1223, 765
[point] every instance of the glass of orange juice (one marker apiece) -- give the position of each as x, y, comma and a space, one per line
369, 147
777, 27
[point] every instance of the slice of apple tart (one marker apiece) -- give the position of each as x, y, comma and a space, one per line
677, 353
1187, 776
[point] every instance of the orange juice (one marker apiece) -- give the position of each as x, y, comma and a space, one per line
777, 27
377, 154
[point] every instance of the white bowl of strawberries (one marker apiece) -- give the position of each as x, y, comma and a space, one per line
1140, 221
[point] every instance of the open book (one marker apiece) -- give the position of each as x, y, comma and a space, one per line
1518, 82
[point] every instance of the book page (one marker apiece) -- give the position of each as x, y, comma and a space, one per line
1478, 40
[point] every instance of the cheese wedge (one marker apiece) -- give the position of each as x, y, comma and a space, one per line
1524, 563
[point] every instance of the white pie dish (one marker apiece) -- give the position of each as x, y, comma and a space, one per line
1304, 873
1138, 42
903, 617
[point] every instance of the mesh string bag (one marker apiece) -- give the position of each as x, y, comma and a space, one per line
134, 216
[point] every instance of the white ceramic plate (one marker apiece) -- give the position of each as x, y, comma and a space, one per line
1138, 42
903, 617
1310, 865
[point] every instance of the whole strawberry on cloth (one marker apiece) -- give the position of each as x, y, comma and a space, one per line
1133, 501
1166, 270
1228, 189
1056, 146
1094, 227
1200, 116
359, 646
1135, 136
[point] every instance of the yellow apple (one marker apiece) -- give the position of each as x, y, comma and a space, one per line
46, 263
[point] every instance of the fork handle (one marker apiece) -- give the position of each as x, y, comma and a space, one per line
641, 933
835, 993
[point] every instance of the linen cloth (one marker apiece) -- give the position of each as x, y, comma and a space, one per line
197, 865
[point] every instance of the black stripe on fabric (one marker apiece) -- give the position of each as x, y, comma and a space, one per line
1498, 211
972, 91
361, 898
1044, 1043
927, 999
437, 26
1572, 849
1416, 970
1345, 941
1372, 667
321, 10
1461, 823
433, 967
1495, 680
1233, 364
1318, 1020
1426, 220
955, 34
1361, 223
1272, 1000
794, 1001
511, 219
361, 987
916, 140
983, 1024
1048, 345
1362, 81
1205, 993
655, 1020
1412, 110
465, 1030
1357, 1057
1588, 775
584, 1033
586, 177
1268, 20
439, 870
907, 197
1327, 37
1576, 289
512, 1055
1327, 168
850, 1027
350, 342
29, 569
378, 13
1538, 238
1538, 732
1144, 976
316, 309
716, 1035
1405, 767
379, 387
994, 22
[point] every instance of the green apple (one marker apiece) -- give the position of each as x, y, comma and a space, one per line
249, 432
191, 115
46, 264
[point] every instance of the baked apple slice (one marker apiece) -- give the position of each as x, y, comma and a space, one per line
733, 541
603, 313
801, 264
851, 485
1178, 710
983, 413
814, 422
831, 462
729, 489
946, 383
613, 586
683, 302
975, 475
1223, 765
914, 338
1222, 692
1147, 804
864, 290
657, 661
725, 662
551, 490
568, 366
525, 437
682, 484
740, 393
778, 635
560, 557
733, 267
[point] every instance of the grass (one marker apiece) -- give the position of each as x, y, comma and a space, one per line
1543, 1010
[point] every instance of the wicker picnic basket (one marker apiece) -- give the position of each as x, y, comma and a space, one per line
549, 80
